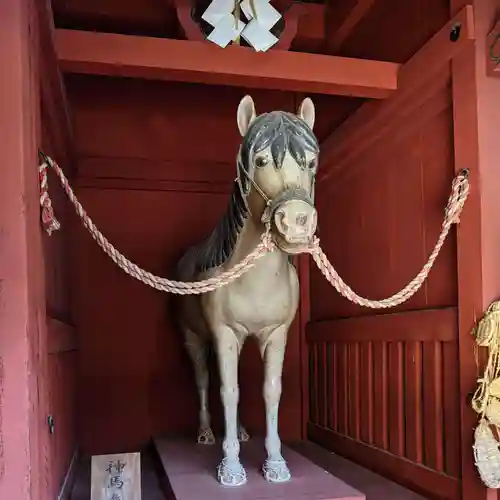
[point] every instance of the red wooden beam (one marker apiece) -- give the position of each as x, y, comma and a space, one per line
372, 119
156, 18
201, 62
438, 325
341, 19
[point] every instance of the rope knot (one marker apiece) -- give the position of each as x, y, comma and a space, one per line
313, 245
456, 202
49, 220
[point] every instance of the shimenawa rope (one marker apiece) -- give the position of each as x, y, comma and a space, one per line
486, 399
459, 193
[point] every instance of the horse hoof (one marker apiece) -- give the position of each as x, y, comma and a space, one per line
243, 435
276, 471
231, 473
206, 436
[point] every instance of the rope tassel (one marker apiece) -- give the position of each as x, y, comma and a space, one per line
456, 201
48, 218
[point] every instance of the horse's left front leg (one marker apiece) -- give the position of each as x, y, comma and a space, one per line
230, 471
275, 468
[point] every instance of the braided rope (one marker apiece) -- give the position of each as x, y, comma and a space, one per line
456, 201
162, 284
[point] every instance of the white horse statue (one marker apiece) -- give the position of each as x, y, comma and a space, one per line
276, 168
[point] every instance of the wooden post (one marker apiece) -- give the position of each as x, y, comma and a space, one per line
24, 467
476, 117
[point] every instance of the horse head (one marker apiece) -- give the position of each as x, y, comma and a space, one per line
277, 165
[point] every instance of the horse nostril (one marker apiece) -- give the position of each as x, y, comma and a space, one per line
301, 220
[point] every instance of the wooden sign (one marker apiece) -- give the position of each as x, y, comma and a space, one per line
116, 477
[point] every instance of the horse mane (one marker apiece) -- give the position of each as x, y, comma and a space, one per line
282, 132
219, 246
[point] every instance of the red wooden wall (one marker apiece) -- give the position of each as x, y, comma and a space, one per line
155, 167
36, 366
384, 384
61, 348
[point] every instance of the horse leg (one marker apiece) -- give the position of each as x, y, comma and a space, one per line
230, 472
275, 469
197, 350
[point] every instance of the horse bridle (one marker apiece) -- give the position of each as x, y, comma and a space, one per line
273, 204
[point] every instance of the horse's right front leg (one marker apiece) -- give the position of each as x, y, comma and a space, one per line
230, 471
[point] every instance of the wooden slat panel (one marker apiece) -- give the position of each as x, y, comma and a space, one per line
395, 399
413, 401
393, 395
380, 417
354, 406
431, 324
451, 407
321, 384
313, 384
366, 392
334, 387
341, 363
433, 409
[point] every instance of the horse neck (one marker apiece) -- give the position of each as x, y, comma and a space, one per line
272, 264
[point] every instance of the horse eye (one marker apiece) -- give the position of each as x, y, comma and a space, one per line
312, 164
261, 161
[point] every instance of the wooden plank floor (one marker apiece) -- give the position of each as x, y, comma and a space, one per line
375, 487
191, 471
155, 486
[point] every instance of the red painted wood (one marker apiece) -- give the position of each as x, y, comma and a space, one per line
418, 75
375, 487
388, 213
428, 325
304, 317
154, 18
413, 401
475, 147
342, 19
24, 442
63, 395
394, 166
60, 349
153, 58
419, 479
190, 469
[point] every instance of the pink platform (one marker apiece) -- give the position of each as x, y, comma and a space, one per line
191, 471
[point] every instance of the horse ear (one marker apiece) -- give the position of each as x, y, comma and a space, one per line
246, 114
307, 112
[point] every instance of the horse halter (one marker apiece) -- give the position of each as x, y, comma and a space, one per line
273, 205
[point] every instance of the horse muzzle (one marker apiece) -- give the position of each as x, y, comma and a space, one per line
294, 218
296, 221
